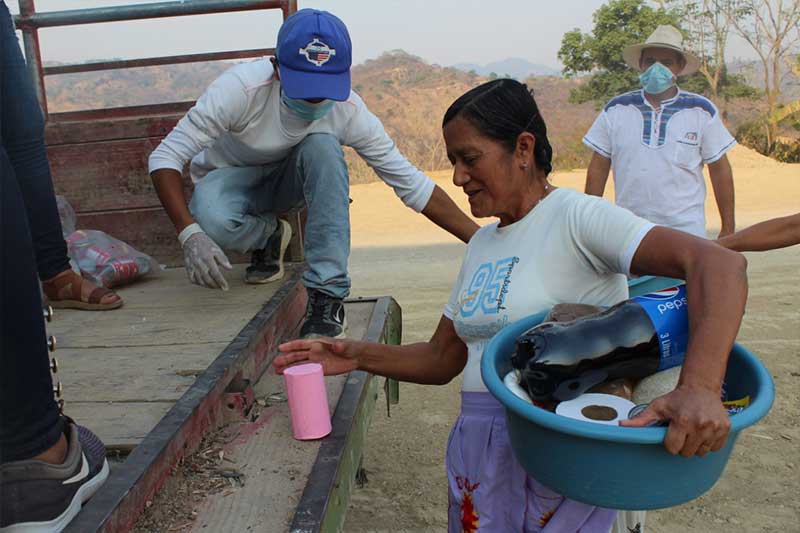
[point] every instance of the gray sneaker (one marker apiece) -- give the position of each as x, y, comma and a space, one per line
266, 265
40, 497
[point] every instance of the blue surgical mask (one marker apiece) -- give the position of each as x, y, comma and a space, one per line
307, 110
657, 79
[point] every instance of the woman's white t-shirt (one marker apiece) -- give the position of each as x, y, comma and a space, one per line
571, 248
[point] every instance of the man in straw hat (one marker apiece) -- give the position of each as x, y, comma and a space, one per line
657, 140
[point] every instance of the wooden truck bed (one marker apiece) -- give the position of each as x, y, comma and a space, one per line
177, 362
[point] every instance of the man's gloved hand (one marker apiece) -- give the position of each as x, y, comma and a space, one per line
203, 258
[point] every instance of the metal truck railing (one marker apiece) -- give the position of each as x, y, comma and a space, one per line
29, 22
98, 157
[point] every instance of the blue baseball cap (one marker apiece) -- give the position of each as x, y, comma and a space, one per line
314, 56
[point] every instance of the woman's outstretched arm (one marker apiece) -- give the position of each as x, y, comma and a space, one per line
435, 362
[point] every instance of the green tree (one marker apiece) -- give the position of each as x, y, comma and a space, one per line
772, 29
493, 75
618, 24
706, 28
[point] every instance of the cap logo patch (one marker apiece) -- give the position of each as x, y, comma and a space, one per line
317, 52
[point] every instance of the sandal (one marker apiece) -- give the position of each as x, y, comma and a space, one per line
69, 290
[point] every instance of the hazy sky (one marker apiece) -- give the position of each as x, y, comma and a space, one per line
440, 31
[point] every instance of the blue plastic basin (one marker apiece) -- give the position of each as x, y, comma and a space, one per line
646, 284
612, 466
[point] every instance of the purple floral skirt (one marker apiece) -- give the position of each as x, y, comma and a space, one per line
490, 492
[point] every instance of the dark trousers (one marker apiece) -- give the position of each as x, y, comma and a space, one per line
22, 134
29, 419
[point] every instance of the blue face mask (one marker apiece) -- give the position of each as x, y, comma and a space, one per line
657, 79
307, 110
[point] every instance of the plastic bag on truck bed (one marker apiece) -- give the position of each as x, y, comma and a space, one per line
67, 216
107, 261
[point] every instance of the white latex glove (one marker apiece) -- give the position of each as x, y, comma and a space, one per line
203, 258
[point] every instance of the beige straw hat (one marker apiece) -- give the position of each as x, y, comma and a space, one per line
663, 37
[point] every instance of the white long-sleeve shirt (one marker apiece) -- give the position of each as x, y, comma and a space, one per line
240, 121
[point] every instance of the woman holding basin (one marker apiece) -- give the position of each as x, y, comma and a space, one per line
549, 246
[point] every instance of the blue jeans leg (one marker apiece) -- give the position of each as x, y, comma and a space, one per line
29, 419
23, 140
228, 205
318, 163
236, 206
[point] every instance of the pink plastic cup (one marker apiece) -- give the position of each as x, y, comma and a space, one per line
308, 401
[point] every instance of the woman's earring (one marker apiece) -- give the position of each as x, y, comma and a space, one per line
524, 166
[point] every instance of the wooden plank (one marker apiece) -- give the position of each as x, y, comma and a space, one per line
171, 290
77, 132
199, 410
175, 326
106, 175
166, 311
147, 374
141, 358
111, 190
276, 466
120, 426
113, 113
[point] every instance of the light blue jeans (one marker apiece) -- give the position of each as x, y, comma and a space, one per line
236, 206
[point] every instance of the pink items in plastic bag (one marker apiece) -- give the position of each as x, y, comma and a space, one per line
108, 261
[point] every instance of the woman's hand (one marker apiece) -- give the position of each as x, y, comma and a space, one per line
698, 422
335, 356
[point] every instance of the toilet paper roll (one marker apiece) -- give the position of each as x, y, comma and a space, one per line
598, 408
511, 382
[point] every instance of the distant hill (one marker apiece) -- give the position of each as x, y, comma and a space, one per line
410, 96
513, 67
753, 72
136, 86
407, 93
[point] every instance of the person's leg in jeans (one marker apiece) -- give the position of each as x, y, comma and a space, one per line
29, 418
48, 465
226, 205
30, 423
23, 139
237, 207
316, 173
223, 203
319, 162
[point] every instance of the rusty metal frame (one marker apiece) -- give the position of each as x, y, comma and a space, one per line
155, 61
29, 22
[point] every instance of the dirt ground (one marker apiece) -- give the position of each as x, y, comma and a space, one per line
399, 253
